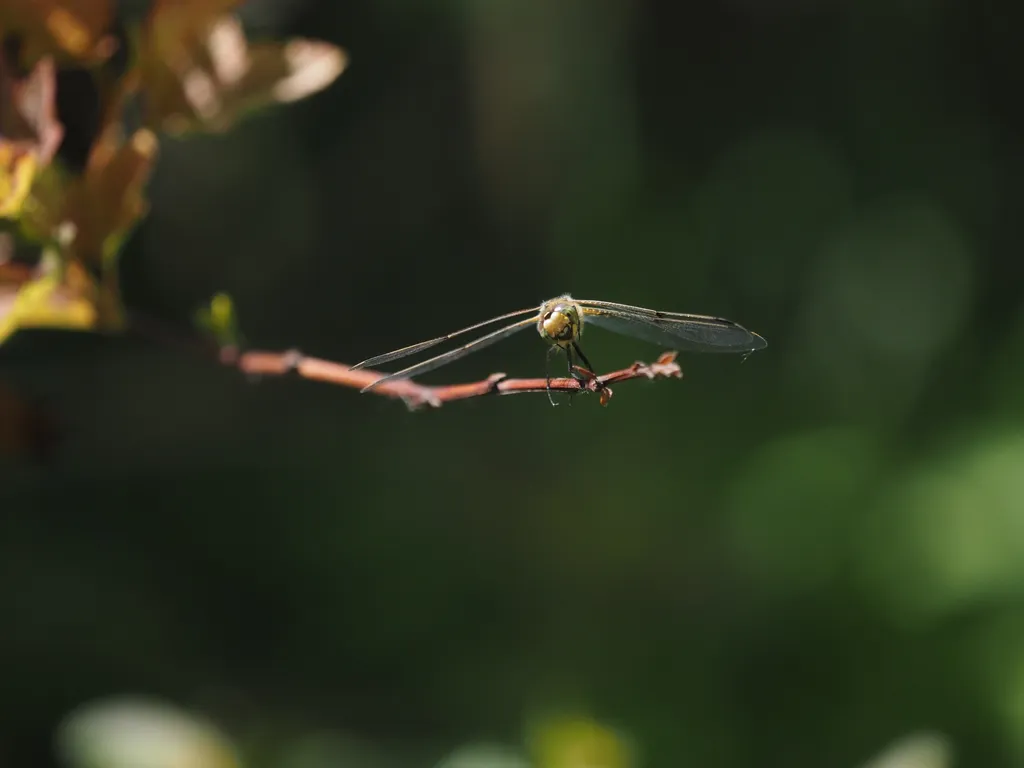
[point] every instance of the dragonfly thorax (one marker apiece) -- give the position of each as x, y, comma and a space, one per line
560, 321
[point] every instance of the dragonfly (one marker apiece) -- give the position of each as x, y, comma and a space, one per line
560, 321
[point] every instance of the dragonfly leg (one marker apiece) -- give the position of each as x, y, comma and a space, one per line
582, 357
572, 373
547, 375
590, 368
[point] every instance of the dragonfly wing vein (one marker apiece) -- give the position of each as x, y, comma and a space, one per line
455, 354
693, 334
412, 349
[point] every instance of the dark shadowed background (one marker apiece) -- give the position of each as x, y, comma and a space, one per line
795, 560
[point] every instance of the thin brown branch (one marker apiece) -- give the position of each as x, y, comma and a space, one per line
260, 363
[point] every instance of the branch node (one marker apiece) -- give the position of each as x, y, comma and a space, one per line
291, 359
493, 381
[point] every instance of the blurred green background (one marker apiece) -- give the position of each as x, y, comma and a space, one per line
794, 561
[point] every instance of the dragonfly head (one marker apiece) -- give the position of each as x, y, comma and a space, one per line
560, 321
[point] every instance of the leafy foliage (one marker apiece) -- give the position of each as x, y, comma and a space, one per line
190, 69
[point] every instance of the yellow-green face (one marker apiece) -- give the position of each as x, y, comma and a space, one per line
560, 322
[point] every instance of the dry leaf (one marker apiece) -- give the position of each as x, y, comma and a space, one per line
107, 200
291, 70
200, 73
74, 30
96, 212
179, 23
171, 56
29, 131
85, 218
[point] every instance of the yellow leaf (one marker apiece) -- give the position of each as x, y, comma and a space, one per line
17, 169
51, 302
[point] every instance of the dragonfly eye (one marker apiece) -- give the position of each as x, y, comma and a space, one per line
561, 324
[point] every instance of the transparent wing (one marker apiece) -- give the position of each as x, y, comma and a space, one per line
693, 333
387, 357
455, 354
